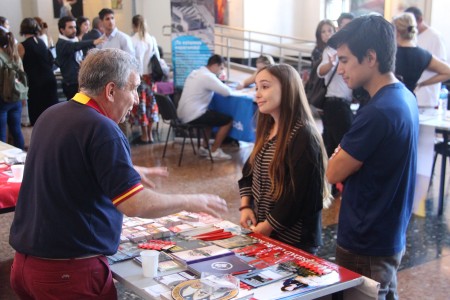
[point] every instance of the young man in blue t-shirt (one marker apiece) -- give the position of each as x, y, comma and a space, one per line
377, 157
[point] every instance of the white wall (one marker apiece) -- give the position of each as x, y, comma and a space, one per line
441, 22
157, 15
15, 11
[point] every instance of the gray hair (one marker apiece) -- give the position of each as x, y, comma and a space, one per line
103, 66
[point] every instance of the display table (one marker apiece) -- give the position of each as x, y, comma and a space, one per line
429, 124
330, 280
241, 107
129, 273
9, 191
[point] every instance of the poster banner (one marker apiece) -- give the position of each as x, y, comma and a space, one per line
71, 8
192, 36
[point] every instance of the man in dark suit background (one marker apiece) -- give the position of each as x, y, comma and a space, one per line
95, 33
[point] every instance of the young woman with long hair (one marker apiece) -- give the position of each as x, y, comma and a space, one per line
325, 29
145, 47
283, 188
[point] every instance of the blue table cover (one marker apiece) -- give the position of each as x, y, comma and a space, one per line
242, 109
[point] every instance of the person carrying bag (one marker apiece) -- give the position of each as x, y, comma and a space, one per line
316, 89
13, 89
14, 83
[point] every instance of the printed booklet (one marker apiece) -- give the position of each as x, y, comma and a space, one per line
267, 275
230, 264
201, 254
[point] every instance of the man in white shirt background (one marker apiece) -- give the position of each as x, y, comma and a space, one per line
118, 40
198, 90
431, 40
114, 37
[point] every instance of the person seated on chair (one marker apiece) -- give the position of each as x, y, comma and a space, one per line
262, 61
199, 88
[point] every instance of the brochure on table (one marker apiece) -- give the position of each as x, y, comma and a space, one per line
266, 268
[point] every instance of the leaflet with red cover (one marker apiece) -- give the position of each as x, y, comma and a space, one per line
326, 273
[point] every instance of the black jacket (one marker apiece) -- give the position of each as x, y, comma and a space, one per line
65, 58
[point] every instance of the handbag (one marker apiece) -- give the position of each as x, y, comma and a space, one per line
316, 89
155, 67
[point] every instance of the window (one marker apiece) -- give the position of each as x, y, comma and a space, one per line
333, 8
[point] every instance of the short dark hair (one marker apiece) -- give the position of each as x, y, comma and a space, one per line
62, 22
29, 26
216, 59
369, 32
415, 11
104, 12
2, 21
345, 15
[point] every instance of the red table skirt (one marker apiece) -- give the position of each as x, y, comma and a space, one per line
9, 191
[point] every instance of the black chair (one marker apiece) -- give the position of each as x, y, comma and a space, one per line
441, 148
169, 115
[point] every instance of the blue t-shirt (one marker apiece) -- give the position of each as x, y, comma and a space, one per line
78, 167
377, 199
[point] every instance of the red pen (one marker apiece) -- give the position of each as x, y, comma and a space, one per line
208, 233
241, 272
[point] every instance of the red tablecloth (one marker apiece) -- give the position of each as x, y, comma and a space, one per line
9, 191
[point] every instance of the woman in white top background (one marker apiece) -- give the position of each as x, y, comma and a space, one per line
145, 47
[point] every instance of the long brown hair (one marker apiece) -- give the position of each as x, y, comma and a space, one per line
139, 22
8, 45
294, 108
319, 42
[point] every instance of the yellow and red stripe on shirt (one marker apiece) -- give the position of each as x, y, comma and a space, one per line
127, 194
84, 99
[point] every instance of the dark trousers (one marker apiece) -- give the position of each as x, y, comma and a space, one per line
379, 268
70, 90
337, 119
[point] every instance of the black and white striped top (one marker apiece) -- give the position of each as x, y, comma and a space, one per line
264, 205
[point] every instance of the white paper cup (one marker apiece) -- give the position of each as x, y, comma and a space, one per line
149, 260
17, 171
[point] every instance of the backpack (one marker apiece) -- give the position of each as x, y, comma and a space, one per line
14, 85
